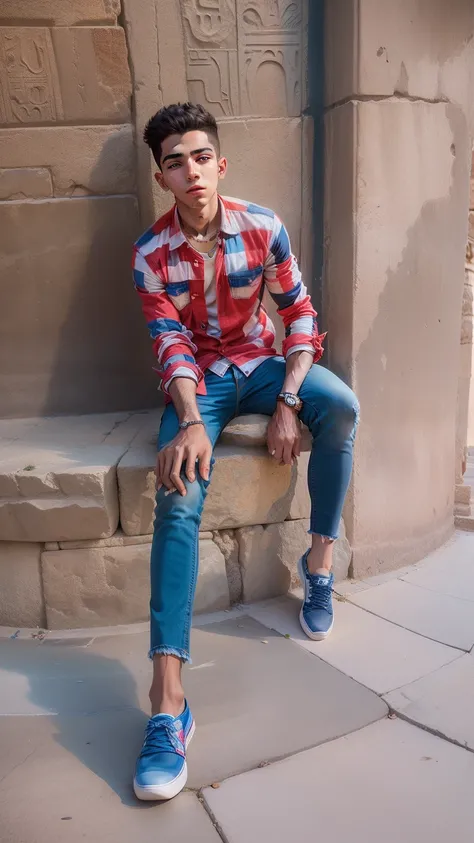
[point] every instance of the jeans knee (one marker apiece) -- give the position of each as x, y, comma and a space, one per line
175, 505
345, 412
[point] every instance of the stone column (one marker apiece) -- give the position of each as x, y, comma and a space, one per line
399, 102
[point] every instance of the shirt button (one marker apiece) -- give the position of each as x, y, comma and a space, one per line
196, 263
203, 325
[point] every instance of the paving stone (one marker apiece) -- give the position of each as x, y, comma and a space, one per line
88, 794
238, 727
235, 468
21, 594
102, 586
437, 616
373, 651
48, 495
449, 572
442, 700
399, 783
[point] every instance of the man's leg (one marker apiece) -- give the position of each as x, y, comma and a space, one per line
161, 770
175, 552
330, 411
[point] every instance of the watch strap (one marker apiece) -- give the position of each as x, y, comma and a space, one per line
184, 425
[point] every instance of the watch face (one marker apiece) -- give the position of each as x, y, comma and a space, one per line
290, 400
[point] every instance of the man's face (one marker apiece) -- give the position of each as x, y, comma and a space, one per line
190, 168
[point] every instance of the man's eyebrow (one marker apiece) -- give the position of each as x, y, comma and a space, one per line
174, 155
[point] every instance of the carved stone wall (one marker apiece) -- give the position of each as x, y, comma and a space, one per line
78, 80
68, 212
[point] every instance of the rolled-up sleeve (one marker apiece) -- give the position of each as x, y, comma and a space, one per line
284, 283
172, 342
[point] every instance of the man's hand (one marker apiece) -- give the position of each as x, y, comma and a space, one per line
188, 447
284, 435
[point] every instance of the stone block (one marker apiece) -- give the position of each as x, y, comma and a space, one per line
82, 159
227, 543
246, 431
81, 73
93, 73
47, 496
376, 47
25, 183
54, 13
212, 589
21, 594
103, 586
278, 184
83, 289
268, 557
462, 493
242, 471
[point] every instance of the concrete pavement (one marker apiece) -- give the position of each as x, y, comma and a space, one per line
294, 733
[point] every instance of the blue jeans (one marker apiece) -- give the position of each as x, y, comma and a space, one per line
330, 411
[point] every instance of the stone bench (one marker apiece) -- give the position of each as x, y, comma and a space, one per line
76, 510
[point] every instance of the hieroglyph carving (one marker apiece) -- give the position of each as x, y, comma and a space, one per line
227, 44
28, 76
270, 32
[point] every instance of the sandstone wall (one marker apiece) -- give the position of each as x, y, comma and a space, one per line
399, 123
78, 80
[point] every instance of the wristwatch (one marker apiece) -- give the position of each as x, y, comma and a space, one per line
291, 400
184, 425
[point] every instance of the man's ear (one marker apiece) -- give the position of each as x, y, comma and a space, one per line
159, 178
222, 167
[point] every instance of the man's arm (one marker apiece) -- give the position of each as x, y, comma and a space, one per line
284, 430
302, 345
180, 375
172, 341
189, 446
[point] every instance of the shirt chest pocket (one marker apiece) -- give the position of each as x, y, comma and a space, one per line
178, 292
245, 282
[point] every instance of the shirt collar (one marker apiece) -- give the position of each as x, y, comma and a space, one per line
228, 225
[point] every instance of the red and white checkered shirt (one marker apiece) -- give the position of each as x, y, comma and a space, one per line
192, 331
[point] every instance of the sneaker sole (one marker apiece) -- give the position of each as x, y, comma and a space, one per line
152, 793
315, 636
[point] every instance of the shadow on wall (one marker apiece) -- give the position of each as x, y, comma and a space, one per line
102, 352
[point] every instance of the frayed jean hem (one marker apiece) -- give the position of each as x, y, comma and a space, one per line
325, 538
163, 650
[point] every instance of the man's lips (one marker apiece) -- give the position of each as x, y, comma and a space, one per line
195, 189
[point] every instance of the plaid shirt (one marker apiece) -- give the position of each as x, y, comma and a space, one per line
189, 334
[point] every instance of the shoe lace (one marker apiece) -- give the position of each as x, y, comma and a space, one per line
319, 593
159, 737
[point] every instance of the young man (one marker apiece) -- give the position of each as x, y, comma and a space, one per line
201, 271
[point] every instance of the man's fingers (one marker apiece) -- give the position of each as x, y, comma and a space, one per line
297, 447
175, 473
287, 453
191, 465
166, 471
205, 463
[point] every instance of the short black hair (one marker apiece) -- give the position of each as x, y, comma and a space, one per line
177, 119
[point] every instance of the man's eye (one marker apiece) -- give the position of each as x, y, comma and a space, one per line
204, 158
173, 166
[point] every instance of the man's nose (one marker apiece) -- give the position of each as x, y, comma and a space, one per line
192, 174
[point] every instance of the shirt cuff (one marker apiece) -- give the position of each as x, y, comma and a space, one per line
309, 348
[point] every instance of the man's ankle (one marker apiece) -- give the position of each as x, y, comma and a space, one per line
167, 704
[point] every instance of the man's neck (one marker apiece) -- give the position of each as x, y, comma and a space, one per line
199, 220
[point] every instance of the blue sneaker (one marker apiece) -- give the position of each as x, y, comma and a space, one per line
161, 770
316, 616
